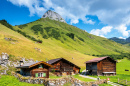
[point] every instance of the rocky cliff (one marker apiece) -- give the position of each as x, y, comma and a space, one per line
54, 16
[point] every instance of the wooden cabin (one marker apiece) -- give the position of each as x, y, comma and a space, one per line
62, 66
101, 66
35, 69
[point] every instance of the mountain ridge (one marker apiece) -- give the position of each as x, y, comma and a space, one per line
121, 41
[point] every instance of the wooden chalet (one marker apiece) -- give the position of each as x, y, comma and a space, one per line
35, 69
62, 66
101, 66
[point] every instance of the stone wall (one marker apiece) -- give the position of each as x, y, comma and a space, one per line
57, 82
4, 57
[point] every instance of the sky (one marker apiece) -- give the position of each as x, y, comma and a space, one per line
105, 18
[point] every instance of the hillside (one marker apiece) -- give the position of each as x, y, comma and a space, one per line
57, 39
23, 47
71, 37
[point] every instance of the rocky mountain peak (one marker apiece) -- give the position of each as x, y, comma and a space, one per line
54, 16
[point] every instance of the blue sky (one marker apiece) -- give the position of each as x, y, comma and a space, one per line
105, 18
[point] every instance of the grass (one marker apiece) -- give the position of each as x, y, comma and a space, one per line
68, 84
54, 77
122, 65
115, 78
6, 80
105, 85
82, 79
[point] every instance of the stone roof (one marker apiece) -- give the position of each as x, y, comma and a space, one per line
31, 64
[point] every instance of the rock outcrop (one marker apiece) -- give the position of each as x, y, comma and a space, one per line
54, 16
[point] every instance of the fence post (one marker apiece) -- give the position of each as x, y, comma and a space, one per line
126, 82
118, 80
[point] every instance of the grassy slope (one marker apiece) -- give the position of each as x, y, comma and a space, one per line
52, 48
92, 45
122, 65
49, 48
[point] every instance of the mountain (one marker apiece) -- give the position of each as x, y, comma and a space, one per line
70, 37
54, 16
46, 39
128, 39
118, 40
121, 41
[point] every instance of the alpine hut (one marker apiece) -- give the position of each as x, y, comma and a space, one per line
61, 66
101, 66
35, 69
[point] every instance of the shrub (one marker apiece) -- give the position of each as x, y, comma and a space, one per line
81, 39
37, 28
22, 26
5, 23
71, 35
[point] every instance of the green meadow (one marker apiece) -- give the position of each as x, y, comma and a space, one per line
6, 80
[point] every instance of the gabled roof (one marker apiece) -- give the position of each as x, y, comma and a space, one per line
98, 59
29, 65
55, 60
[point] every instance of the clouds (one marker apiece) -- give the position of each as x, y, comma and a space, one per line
121, 38
114, 13
123, 29
101, 32
32, 5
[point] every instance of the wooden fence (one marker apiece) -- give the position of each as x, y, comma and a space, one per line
122, 81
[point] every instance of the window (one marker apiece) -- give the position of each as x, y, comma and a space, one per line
40, 74
40, 66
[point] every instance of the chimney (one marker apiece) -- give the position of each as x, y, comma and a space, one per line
21, 63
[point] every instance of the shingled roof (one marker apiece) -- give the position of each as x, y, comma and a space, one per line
29, 65
55, 60
98, 59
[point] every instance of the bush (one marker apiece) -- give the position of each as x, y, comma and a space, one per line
37, 28
5, 23
81, 39
22, 26
71, 35
39, 41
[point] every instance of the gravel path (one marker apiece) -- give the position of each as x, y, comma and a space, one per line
111, 83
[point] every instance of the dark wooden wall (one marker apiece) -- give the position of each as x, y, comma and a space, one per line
106, 65
92, 67
99, 68
64, 66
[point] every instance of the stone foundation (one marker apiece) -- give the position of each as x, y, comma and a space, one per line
57, 82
